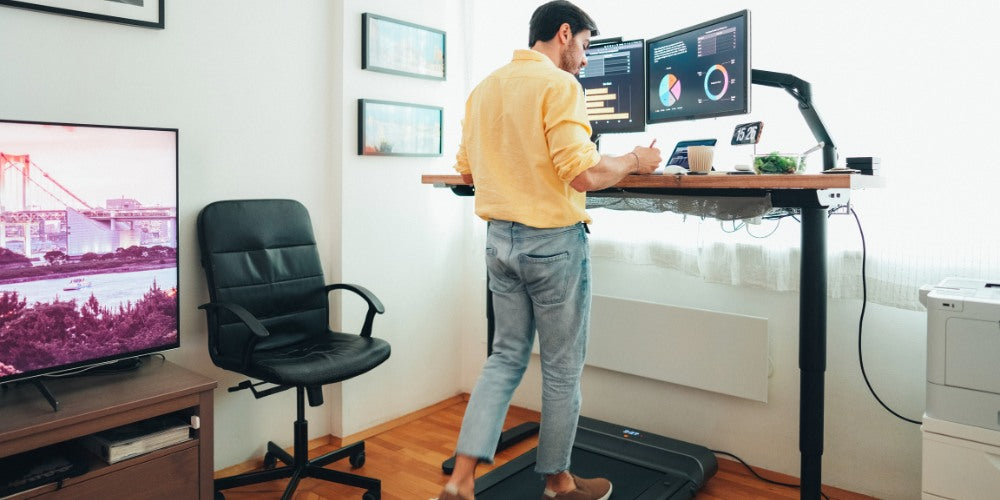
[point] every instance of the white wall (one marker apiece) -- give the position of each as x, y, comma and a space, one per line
401, 239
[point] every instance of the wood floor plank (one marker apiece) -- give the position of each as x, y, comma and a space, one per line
407, 458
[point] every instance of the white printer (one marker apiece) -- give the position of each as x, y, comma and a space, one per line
961, 425
963, 351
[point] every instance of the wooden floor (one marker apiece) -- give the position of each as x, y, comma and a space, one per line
407, 454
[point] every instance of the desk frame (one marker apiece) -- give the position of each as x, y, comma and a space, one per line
813, 195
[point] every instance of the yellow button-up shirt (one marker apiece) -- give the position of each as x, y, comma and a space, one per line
525, 137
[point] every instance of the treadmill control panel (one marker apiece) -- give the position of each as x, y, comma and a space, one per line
629, 433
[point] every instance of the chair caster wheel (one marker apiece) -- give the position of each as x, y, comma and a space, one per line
370, 496
219, 496
270, 461
357, 460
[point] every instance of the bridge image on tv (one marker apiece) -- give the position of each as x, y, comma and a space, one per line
30, 229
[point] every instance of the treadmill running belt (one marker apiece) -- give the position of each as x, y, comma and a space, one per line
640, 466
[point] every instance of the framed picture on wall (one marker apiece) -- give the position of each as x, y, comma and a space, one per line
402, 48
387, 128
146, 13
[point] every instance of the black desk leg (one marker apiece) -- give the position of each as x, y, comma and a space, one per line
812, 349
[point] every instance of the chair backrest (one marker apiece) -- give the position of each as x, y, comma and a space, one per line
262, 255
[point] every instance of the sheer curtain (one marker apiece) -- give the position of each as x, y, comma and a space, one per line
907, 243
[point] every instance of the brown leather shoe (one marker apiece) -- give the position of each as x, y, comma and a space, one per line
597, 488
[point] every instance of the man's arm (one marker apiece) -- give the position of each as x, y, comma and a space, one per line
611, 169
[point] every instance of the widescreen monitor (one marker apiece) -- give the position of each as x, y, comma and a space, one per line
88, 245
700, 72
614, 82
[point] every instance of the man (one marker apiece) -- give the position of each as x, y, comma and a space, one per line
526, 144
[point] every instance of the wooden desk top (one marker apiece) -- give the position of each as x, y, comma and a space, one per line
719, 181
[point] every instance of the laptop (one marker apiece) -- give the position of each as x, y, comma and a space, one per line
680, 154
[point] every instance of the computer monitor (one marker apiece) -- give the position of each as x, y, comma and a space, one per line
614, 83
701, 71
88, 245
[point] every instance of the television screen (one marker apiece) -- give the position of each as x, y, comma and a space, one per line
88, 245
614, 82
701, 71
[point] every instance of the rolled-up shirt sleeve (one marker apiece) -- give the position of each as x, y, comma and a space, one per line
462, 160
462, 157
567, 130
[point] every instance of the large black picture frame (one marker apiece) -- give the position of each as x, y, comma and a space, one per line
145, 13
402, 48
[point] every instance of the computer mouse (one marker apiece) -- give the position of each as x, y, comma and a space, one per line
742, 167
674, 170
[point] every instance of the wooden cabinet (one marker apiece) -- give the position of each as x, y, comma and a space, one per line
88, 404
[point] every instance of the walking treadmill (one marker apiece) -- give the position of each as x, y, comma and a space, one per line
639, 465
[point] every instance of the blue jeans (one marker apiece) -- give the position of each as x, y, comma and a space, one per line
540, 279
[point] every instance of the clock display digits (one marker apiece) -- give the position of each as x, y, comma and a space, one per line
747, 133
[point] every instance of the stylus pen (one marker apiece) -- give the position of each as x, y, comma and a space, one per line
652, 143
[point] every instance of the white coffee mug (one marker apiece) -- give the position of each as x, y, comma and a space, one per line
700, 158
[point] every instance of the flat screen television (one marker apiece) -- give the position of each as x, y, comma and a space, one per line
88, 245
614, 82
700, 72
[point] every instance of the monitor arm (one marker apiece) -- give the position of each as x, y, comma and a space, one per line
801, 91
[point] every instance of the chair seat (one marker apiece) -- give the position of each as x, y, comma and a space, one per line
318, 359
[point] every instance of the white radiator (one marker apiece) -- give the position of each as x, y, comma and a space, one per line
713, 351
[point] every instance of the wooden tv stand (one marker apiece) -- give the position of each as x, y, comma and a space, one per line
88, 404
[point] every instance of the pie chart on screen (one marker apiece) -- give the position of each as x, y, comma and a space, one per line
670, 90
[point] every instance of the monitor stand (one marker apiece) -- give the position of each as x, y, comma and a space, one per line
41, 388
802, 92
46, 393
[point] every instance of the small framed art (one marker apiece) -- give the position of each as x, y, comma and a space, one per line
387, 128
402, 48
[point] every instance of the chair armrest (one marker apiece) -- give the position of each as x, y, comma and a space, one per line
374, 305
248, 319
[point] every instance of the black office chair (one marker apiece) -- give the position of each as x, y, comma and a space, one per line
268, 319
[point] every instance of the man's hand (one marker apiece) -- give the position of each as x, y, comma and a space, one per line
611, 169
647, 159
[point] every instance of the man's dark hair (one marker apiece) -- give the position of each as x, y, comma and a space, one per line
547, 19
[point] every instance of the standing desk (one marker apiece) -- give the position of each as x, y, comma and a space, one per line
813, 195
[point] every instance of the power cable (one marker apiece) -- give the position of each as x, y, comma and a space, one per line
758, 476
864, 303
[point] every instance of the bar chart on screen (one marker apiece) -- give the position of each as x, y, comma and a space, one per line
613, 82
